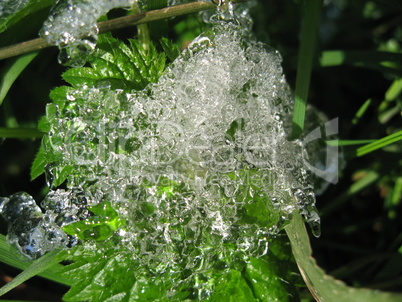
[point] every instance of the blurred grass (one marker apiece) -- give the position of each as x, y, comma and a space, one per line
356, 78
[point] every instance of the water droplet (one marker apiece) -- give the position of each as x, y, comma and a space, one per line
72, 26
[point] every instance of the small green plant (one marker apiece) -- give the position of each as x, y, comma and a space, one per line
179, 175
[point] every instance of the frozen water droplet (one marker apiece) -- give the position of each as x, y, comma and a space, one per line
75, 54
72, 26
227, 11
23, 217
35, 233
18, 208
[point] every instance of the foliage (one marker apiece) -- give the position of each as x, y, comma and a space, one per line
355, 76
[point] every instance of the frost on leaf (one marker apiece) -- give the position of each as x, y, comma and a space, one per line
72, 27
197, 166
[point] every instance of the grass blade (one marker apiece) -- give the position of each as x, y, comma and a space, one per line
322, 286
12, 72
9, 258
377, 60
362, 110
312, 12
345, 142
378, 144
20, 133
394, 90
37, 267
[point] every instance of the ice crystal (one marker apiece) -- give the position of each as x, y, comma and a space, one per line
198, 166
33, 232
198, 161
72, 27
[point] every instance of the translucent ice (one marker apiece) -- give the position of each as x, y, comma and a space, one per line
9, 7
34, 233
198, 164
72, 27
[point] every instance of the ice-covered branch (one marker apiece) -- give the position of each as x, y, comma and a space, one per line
114, 24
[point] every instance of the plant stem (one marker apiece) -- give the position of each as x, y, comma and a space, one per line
142, 29
312, 9
118, 23
20, 133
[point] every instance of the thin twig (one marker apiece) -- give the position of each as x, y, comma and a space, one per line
114, 24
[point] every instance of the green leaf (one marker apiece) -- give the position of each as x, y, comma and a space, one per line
12, 71
99, 227
265, 282
32, 7
60, 175
394, 90
119, 66
232, 287
172, 50
362, 110
39, 163
109, 276
42, 159
344, 142
322, 286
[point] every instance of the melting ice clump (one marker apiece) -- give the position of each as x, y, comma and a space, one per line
196, 162
198, 165
9, 7
33, 232
72, 27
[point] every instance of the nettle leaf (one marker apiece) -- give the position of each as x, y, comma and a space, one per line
39, 163
119, 66
115, 65
110, 276
99, 227
171, 49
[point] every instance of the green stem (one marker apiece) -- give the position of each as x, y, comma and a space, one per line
142, 30
20, 133
312, 9
118, 23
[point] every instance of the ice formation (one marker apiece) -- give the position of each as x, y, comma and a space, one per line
33, 232
72, 27
9, 7
198, 165
197, 162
